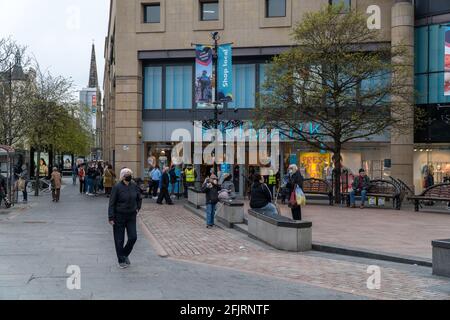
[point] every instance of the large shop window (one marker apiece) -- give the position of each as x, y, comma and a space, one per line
153, 88
429, 64
179, 87
244, 86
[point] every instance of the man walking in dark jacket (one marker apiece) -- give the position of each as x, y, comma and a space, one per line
164, 193
124, 205
211, 188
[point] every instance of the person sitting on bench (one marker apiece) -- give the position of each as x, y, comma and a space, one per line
360, 186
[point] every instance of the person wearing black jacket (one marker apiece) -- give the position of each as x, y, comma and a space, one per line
3, 189
124, 205
164, 192
295, 179
261, 197
211, 188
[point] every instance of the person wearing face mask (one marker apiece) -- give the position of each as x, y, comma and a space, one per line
295, 179
124, 205
211, 188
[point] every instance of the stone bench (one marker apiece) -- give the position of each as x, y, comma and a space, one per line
230, 212
196, 197
280, 232
441, 257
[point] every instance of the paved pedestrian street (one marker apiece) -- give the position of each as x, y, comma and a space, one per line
38, 243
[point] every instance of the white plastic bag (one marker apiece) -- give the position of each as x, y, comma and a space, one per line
300, 196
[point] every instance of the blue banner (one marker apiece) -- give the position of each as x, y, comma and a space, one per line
225, 70
203, 75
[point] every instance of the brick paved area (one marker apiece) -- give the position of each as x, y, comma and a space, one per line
184, 237
402, 232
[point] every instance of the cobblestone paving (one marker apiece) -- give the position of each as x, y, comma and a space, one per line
184, 237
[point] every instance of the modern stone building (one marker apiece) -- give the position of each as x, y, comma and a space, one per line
149, 76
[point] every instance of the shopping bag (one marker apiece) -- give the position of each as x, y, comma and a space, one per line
300, 196
293, 200
21, 184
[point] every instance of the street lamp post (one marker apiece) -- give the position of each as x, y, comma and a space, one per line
215, 36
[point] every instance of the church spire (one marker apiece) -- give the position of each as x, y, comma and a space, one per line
93, 78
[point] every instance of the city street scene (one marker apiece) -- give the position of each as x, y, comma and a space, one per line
228, 151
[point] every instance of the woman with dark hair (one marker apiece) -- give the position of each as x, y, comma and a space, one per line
295, 179
261, 197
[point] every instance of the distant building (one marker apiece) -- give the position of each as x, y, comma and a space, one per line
91, 97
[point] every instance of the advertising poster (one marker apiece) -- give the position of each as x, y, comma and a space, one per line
67, 159
225, 74
203, 76
447, 63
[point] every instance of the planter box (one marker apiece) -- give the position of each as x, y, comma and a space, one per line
280, 232
441, 257
196, 197
230, 213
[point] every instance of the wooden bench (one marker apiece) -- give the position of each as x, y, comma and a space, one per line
438, 192
319, 187
405, 190
381, 189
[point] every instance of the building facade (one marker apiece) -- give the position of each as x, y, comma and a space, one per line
150, 75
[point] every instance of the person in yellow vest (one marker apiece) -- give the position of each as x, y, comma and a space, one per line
189, 177
272, 182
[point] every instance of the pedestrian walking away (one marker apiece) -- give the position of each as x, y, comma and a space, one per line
108, 180
155, 177
56, 184
164, 192
82, 178
211, 188
74, 174
295, 179
124, 205
23, 182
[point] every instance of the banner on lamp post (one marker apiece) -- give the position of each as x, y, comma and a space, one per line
447, 62
225, 71
203, 75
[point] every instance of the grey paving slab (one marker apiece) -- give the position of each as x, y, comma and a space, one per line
37, 245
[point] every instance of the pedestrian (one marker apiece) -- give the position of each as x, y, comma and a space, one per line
74, 174
108, 180
101, 172
155, 176
284, 189
124, 205
3, 189
428, 182
189, 177
173, 180
90, 178
360, 186
23, 182
261, 197
55, 181
211, 188
164, 192
228, 186
295, 179
82, 178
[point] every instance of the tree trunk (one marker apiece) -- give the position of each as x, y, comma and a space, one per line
36, 186
337, 175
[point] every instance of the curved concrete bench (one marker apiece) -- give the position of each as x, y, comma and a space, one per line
280, 232
441, 257
196, 197
231, 212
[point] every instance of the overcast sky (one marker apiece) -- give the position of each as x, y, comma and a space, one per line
59, 33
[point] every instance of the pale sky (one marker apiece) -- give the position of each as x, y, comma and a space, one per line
59, 33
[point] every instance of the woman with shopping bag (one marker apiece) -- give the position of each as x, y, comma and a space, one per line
295, 187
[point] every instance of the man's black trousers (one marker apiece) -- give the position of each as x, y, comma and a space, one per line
122, 223
164, 195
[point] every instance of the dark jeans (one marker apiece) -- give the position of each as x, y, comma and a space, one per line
297, 213
122, 223
187, 185
24, 192
82, 186
164, 195
155, 186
